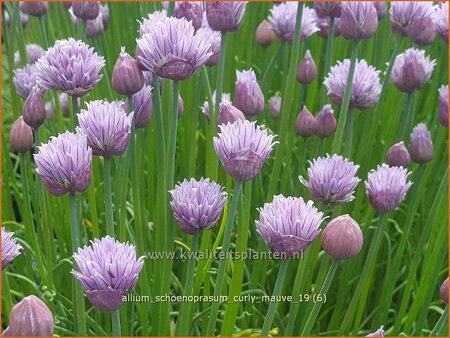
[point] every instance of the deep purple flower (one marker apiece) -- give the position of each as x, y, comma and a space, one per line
442, 20
398, 155
10, 249
192, 11
33, 112
359, 20
381, 7
70, 66
412, 70
282, 19
109, 270
366, 88
443, 105
225, 16
324, 27
20, 136
226, 98
421, 149
332, 179
95, 27
248, 96
387, 187
377, 333
34, 8
416, 19
275, 106
172, 50
107, 126
143, 106
243, 147
307, 70
86, 10
30, 317
264, 34
127, 78
197, 205
64, 163
288, 225
305, 124
325, 122
25, 79
328, 9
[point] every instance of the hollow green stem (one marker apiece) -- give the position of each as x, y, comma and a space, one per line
349, 133
75, 111
276, 292
408, 117
441, 327
271, 64
328, 55
223, 262
108, 197
115, 320
44, 27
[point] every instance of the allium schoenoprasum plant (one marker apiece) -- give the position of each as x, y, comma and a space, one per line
158, 192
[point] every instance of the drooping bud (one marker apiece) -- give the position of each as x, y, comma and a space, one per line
86, 10
398, 155
264, 34
443, 291
143, 106
307, 70
31, 317
21, 136
359, 20
306, 123
325, 122
275, 106
342, 238
421, 144
34, 108
249, 97
228, 114
34, 8
127, 78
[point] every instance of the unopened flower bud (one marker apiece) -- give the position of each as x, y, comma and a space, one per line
248, 95
328, 9
381, 7
275, 106
21, 136
421, 150
325, 122
94, 27
359, 20
342, 238
307, 70
34, 8
306, 123
264, 34
34, 112
443, 291
377, 333
86, 10
398, 155
127, 78
228, 114
143, 106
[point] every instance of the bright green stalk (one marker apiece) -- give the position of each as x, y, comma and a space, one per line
44, 27
115, 319
223, 262
441, 327
318, 305
276, 292
184, 322
338, 138
328, 55
349, 134
75, 111
78, 304
171, 8
108, 197
408, 115
272, 61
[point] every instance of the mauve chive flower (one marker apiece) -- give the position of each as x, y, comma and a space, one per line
197, 205
381, 7
412, 70
332, 179
328, 9
30, 317
264, 34
107, 126
366, 88
275, 106
34, 52
325, 122
288, 225
359, 20
398, 155
442, 20
443, 291
86, 10
212, 37
243, 147
25, 79
94, 27
324, 27
307, 70
415, 19
64, 102
153, 20
225, 16
49, 110
192, 11
34, 8
387, 187
248, 96
443, 105
127, 78
226, 98
104, 10
305, 124
143, 106
421, 149
70, 66
172, 50
109, 270
34, 108
10, 249
229, 114
377, 333
65, 163
282, 18
20, 136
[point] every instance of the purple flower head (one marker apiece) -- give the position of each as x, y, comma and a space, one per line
328, 9
127, 78
307, 70
95, 27
366, 88
324, 27
192, 11
70, 66
325, 122
377, 333
34, 108
416, 19
248, 95
305, 124
442, 20
86, 10
288, 225
381, 7
107, 126
65, 163
412, 70
421, 149
359, 20
282, 18
10, 249
332, 179
275, 106
225, 16
172, 50
153, 20
226, 98
109, 270
443, 105
212, 37
387, 187
34, 8
143, 106
104, 11
398, 155
197, 205
243, 147
264, 34
25, 79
